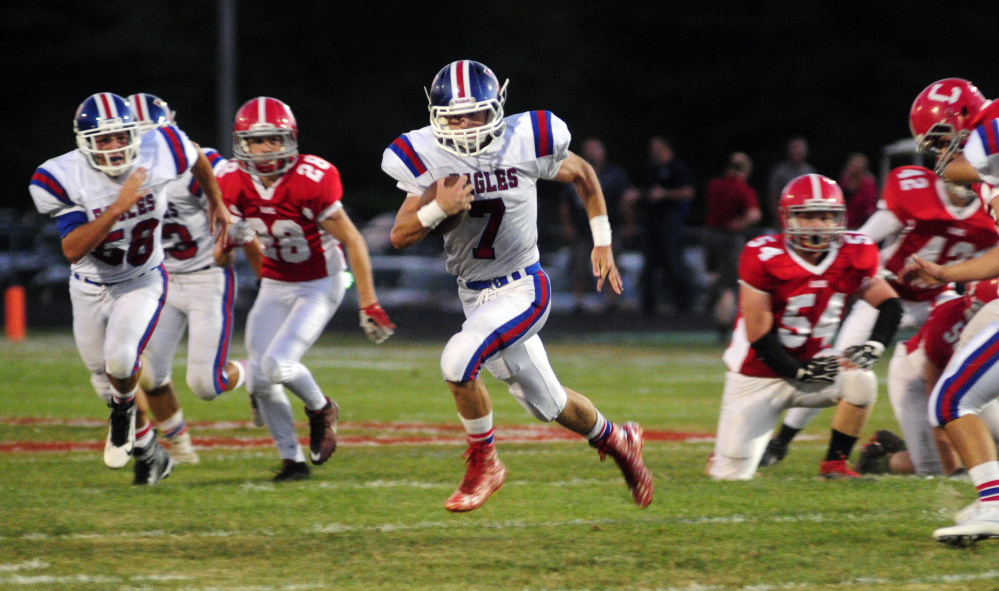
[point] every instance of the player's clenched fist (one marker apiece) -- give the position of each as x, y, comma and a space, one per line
376, 323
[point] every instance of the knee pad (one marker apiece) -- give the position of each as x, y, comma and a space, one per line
532, 382
201, 381
276, 370
457, 360
859, 387
121, 363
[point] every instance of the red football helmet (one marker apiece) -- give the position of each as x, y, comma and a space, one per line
940, 117
813, 213
259, 118
981, 293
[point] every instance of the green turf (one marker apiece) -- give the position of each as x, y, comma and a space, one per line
372, 518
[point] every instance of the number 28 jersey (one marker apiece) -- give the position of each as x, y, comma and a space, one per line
806, 300
287, 215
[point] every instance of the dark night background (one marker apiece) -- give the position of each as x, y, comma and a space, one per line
743, 77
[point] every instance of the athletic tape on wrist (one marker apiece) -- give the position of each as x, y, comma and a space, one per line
601, 230
431, 214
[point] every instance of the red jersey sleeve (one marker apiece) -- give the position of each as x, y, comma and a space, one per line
752, 263
892, 198
329, 188
869, 259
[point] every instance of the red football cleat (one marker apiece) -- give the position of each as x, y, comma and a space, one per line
484, 475
625, 445
836, 470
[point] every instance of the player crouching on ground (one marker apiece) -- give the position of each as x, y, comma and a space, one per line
793, 288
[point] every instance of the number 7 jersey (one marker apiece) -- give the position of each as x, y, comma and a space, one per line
806, 300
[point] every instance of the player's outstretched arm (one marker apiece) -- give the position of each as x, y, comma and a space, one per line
577, 171
374, 320
984, 266
89, 236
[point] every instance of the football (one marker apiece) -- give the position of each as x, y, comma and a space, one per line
451, 222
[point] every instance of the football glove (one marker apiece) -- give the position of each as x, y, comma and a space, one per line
239, 234
819, 370
376, 323
866, 355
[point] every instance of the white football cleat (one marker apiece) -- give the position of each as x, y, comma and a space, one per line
975, 523
121, 434
182, 450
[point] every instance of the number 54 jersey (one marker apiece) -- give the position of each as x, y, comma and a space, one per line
806, 300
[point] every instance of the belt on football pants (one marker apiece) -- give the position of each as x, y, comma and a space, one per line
501, 281
92, 282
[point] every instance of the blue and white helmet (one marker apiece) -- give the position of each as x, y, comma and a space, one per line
462, 88
102, 114
150, 111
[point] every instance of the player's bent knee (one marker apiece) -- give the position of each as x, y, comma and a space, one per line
455, 360
120, 364
276, 371
859, 387
202, 383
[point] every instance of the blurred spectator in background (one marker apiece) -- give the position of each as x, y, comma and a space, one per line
620, 196
859, 189
668, 189
732, 207
784, 173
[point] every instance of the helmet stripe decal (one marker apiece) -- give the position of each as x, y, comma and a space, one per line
140, 109
261, 110
816, 186
459, 79
106, 106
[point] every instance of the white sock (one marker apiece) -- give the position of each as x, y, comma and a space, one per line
601, 429
174, 426
479, 430
986, 479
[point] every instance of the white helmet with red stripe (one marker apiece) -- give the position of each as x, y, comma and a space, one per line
97, 119
813, 212
265, 117
460, 89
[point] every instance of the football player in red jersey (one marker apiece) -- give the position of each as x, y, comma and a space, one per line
919, 213
914, 370
287, 198
793, 288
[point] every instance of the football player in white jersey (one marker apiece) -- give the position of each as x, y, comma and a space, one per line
109, 198
200, 299
493, 251
293, 203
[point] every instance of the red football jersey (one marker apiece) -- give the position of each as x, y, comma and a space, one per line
287, 215
941, 331
932, 227
807, 300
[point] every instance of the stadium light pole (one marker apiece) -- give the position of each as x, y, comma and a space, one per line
226, 75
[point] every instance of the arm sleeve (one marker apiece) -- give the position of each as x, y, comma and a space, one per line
752, 271
982, 151
551, 142
889, 316
775, 356
881, 226
404, 165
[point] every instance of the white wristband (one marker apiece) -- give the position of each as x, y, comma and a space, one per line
431, 214
601, 230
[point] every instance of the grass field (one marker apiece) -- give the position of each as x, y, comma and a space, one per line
372, 517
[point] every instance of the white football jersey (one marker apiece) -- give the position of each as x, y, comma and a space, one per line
68, 185
187, 239
982, 151
500, 233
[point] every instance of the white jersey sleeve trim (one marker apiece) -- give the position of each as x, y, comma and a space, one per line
329, 211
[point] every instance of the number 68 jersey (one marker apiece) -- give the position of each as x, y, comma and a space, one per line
806, 300
286, 217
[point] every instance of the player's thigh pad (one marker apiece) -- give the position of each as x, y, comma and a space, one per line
135, 310
495, 319
211, 297
750, 409
525, 368
289, 320
970, 380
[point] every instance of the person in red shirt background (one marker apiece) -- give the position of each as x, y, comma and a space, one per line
732, 207
859, 189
